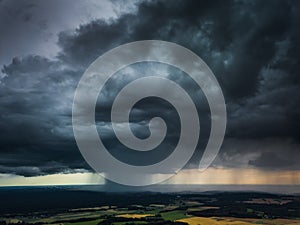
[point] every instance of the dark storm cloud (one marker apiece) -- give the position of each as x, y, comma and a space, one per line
252, 47
89, 41
36, 134
267, 153
230, 37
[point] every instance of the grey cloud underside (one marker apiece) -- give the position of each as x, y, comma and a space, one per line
267, 154
251, 46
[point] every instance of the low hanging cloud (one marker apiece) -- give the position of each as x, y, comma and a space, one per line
267, 154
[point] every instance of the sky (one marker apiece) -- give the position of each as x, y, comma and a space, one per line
252, 47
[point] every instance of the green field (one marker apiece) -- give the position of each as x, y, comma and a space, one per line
92, 222
174, 215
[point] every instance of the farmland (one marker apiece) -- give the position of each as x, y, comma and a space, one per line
220, 208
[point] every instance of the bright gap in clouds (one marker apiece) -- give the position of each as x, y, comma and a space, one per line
211, 176
53, 179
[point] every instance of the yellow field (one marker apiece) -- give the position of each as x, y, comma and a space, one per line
237, 221
134, 215
212, 221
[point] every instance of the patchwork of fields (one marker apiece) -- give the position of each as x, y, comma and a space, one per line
169, 209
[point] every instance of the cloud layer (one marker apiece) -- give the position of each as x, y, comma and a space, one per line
252, 48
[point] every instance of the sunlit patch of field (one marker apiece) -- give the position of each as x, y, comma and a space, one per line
13, 221
272, 221
268, 201
90, 209
237, 221
157, 205
131, 222
212, 221
192, 203
134, 215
